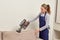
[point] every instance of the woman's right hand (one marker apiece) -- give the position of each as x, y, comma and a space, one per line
27, 23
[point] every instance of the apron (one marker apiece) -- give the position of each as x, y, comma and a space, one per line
43, 34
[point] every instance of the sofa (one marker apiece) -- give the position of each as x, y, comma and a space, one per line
12, 35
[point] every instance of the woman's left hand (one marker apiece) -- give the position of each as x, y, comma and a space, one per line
36, 31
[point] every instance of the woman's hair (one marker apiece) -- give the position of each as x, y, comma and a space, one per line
47, 7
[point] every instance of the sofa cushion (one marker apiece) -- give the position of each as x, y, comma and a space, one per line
25, 35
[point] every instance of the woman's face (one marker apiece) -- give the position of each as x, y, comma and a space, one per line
43, 10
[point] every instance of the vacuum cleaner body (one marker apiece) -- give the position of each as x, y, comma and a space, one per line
23, 25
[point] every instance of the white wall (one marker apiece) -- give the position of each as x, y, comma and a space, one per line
13, 11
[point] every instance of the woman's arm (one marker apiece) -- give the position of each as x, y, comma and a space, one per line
47, 23
34, 19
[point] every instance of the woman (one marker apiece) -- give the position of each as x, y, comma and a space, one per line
43, 22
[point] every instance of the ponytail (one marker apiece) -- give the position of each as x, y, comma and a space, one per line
48, 9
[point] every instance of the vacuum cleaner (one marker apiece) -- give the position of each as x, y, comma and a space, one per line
23, 25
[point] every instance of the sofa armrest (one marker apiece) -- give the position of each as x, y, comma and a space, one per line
0, 36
